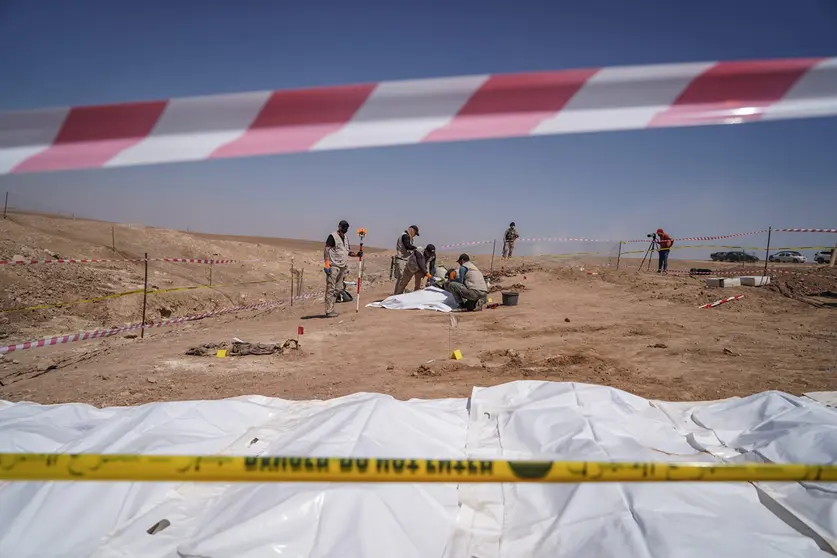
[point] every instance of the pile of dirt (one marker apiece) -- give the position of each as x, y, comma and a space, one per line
513, 271
425, 371
823, 282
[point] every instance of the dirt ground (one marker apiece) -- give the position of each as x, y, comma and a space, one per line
576, 321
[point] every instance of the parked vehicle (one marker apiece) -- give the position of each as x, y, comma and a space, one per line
823, 257
738, 256
788, 256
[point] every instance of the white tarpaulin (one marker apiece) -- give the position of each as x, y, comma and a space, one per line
520, 420
431, 298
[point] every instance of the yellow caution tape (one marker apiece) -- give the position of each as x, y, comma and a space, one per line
128, 293
159, 468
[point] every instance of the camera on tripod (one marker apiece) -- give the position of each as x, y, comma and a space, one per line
652, 235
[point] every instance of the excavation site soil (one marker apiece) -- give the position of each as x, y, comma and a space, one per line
578, 319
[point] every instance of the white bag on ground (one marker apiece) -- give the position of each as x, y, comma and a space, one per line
431, 298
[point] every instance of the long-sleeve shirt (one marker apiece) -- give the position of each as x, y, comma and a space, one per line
423, 264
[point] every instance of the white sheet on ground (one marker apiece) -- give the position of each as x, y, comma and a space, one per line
520, 420
431, 298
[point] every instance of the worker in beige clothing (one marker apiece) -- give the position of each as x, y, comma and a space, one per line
336, 257
420, 265
468, 285
404, 247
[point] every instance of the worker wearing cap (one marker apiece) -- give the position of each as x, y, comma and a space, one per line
420, 265
468, 286
509, 239
336, 256
665, 243
404, 247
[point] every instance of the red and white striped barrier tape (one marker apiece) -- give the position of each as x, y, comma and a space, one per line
746, 272
561, 239
706, 237
722, 301
91, 261
61, 339
417, 111
475, 243
807, 230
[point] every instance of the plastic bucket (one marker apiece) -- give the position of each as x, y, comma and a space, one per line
510, 299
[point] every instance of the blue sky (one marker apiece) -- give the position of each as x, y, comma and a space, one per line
694, 181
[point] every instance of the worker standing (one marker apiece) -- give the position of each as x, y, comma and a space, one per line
336, 261
404, 247
468, 286
665, 242
420, 265
509, 239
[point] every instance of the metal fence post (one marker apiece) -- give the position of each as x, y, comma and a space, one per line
767, 250
144, 296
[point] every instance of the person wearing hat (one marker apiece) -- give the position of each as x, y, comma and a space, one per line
404, 247
336, 257
508, 240
468, 286
420, 265
665, 243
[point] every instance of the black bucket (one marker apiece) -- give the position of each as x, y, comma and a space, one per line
510, 299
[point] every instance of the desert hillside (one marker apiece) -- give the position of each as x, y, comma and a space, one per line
263, 275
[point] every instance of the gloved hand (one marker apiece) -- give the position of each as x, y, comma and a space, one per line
360, 254
327, 270
428, 276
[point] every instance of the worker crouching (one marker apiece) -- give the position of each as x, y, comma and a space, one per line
468, 285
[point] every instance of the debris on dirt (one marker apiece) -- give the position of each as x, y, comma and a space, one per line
512, 271
151, 380
130, 336
15, 361
518, 287
390, 366
813, 284
658, 346
241, 348
496, 287
730, 352
566, 360
424, 371
567, 320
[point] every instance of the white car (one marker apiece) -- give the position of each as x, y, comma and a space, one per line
823, 257
788, 257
